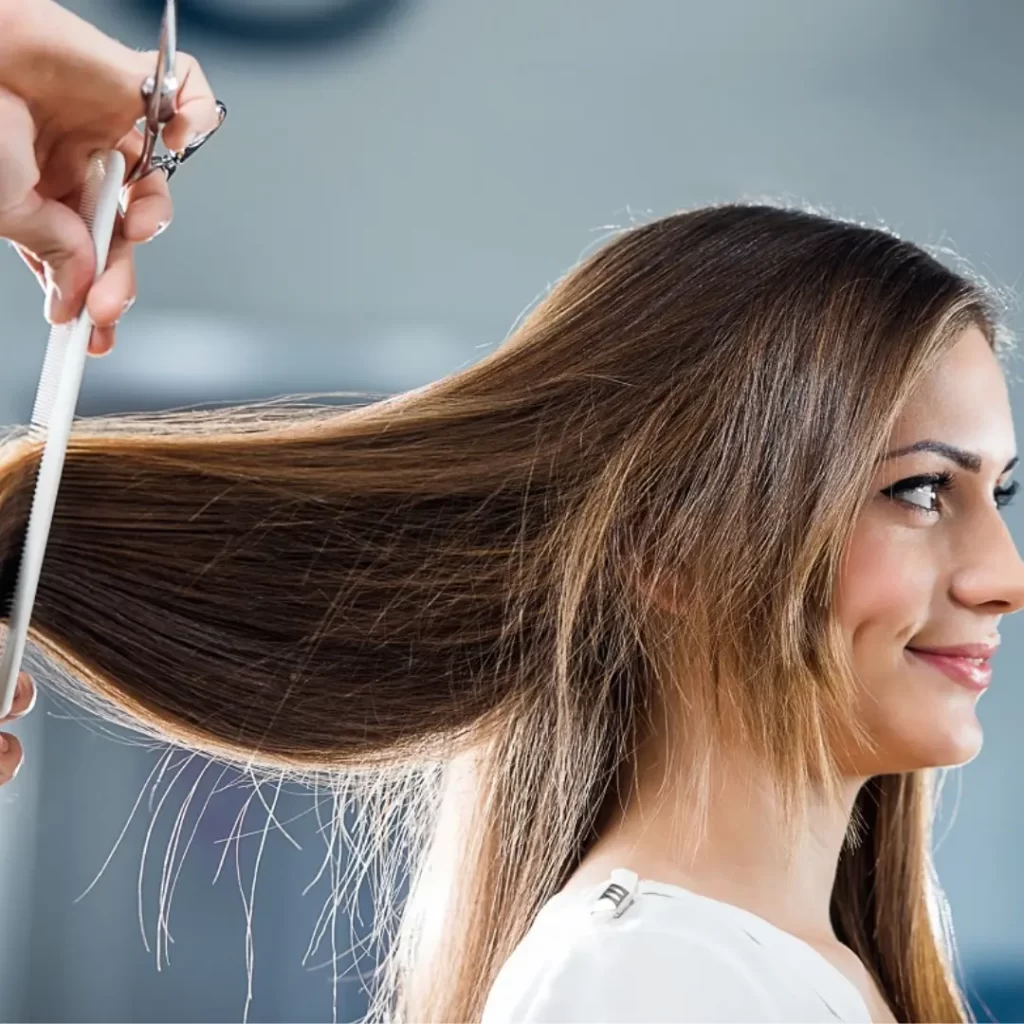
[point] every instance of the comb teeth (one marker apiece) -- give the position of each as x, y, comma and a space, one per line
60, 334
53, 417
49, 377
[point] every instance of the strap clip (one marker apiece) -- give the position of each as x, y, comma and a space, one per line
618, 896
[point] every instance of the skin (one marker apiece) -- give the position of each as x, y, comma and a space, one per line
911, 576
953, 573
24, 700
66, 91
923, 578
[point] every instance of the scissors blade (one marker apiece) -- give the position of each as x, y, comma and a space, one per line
164, 84
169, 30
160, 92
166, 62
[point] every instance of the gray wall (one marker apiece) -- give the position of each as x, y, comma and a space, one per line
378, 216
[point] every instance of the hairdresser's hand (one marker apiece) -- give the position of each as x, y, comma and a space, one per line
66, 91
11, 754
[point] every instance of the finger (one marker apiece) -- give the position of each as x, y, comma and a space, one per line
147, 200
58, 237
149, 207
114, 289
101, 341
11, 756
32, 263
113, 294
196, 106
52, 232
24, 697
19, 173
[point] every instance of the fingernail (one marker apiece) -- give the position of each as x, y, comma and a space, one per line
4, 744
128, 303
17, 768
52, 301
100, 347
160, 229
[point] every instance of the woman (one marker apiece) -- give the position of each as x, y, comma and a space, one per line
652, 628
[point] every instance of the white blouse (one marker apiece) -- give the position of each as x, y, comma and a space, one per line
632, 949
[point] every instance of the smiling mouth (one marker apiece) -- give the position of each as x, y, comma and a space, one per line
973, 673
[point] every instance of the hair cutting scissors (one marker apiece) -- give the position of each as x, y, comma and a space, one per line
160, 91
103, 194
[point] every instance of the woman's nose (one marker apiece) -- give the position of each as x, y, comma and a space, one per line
993, 571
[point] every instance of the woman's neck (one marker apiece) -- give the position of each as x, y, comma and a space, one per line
745, 856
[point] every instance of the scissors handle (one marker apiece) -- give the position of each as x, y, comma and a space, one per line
160, 91
165, 106
170, 162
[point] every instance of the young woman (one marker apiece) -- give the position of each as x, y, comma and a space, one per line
647, 636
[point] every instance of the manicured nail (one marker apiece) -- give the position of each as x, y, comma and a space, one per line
53, 298
100, 347
128, 303
160, 229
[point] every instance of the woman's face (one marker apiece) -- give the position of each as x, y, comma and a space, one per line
932, 565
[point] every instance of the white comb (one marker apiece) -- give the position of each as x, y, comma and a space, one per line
53, 413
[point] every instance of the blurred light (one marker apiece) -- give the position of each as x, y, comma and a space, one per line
164, 358
281, 24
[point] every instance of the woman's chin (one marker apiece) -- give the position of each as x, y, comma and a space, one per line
956, 742
950, 737
933, 724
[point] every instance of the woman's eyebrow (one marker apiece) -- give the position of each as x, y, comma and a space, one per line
964, 459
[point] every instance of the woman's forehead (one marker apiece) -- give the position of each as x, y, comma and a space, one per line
963, 401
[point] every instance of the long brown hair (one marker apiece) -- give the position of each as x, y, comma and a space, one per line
442, 602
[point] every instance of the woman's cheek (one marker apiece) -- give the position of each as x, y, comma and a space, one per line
888, 580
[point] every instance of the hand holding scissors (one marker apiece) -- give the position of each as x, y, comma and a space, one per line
66, 91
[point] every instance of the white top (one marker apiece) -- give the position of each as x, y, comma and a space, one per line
631, 949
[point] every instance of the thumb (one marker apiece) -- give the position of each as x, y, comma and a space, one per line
48, 229
59, 239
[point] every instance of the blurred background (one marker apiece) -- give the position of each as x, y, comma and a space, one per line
396, 182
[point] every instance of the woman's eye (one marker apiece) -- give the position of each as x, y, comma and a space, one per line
921, 491
1004, 495
922, 495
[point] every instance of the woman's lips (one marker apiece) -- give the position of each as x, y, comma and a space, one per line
974, 673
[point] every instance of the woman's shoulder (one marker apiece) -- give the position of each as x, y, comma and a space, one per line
609, 952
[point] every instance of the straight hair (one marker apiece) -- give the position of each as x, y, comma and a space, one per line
440, 605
